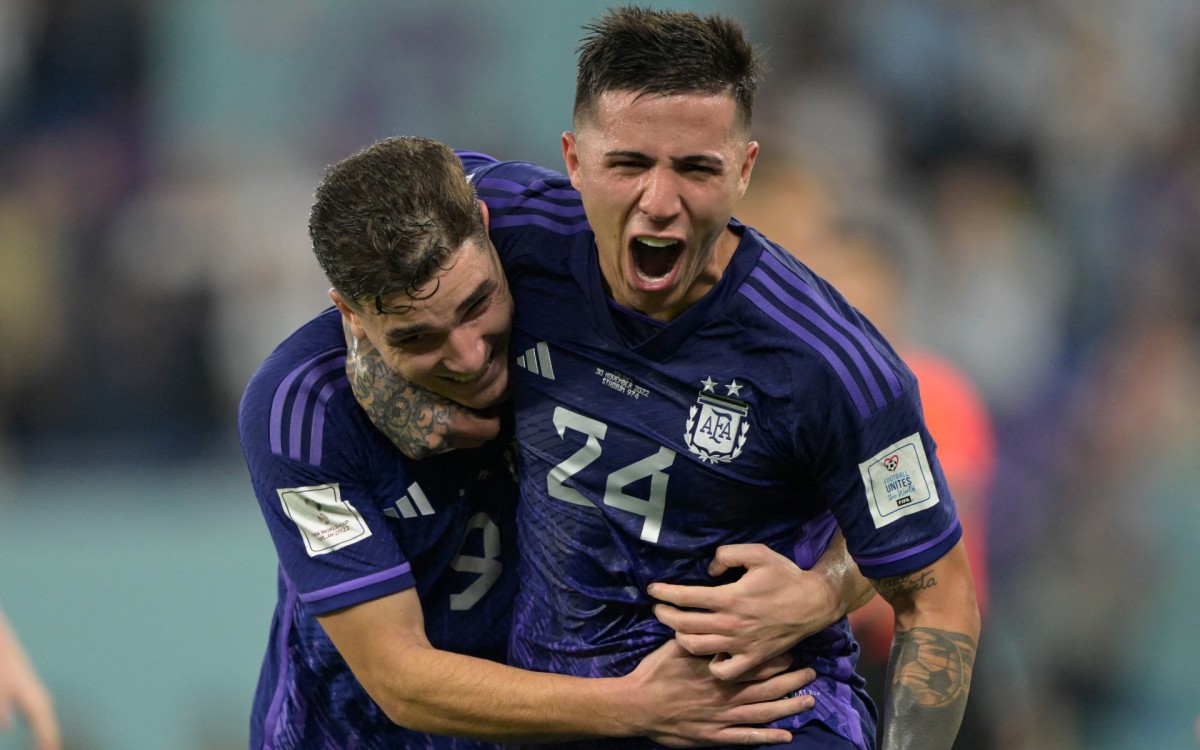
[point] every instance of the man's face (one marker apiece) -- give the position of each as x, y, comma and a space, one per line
659, 176
453, 342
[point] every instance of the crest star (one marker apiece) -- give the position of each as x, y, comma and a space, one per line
708, 384
734, 387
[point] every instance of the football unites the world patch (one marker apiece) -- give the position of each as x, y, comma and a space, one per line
898, 481
325, 520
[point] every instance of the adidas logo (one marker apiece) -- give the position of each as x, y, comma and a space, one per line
537, 361
411, 505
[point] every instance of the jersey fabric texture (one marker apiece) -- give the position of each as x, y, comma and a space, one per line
352, 520
770, 411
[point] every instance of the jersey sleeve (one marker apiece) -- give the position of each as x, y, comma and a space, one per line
333, 545
885, 484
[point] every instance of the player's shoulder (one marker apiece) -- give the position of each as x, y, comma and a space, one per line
298, 399
798, 311
520, 194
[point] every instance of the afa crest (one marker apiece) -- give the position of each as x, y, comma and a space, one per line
717, 425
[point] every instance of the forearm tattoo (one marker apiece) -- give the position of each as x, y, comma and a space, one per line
416, 421
930, 676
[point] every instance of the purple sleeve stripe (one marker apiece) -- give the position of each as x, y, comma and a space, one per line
317, 440
823, 325
537, 187
574, 211
910, 551
813, 316
799, 285
303, 398
524, 220
277, 404
358, 583
848, 381
280, 401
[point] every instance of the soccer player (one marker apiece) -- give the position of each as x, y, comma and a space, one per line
397, 577
683, 383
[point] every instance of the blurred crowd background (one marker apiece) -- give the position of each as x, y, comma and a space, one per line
1030, 170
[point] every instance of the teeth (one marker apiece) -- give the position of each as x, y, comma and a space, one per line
650, 279
471, 378
655, 258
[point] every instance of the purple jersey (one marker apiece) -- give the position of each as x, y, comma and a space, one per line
353, 520
770, 411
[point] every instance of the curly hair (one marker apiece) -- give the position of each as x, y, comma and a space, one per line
389, 218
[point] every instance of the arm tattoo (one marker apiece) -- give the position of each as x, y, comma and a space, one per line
892, 589
416, 421
930, 677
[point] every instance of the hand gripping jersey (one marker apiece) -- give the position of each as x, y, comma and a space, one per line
769, 412
353, 520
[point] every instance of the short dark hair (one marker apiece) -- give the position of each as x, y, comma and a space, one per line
390, 217
666, 52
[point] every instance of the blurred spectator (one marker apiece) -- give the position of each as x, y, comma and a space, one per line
867, 265
22, 692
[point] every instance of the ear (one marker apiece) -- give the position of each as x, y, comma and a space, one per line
486, 218
348, 314
747, 168
571, 157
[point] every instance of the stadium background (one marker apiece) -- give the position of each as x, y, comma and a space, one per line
156, 166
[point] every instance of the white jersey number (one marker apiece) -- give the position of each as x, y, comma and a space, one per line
651, 508
488, 567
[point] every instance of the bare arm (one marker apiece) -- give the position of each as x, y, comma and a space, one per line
771, 608
670, 697
417, 422
933, 653
21, 690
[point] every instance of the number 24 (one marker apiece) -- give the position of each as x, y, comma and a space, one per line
650, 508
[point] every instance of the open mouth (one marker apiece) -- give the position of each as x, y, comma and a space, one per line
655, 260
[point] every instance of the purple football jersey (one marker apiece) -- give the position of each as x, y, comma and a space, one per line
770, 411
353, 520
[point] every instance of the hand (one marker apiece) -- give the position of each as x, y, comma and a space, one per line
689, 706
22, 691
771, 608
418, 422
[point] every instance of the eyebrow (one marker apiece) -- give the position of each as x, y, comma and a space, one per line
705, 159
485, 289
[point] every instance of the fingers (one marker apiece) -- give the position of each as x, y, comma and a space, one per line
729, 556
704, 645
39, 715
690, 597
691, 621
470, 429
769, 692
741, 556
753, 736
745, 667
766, 712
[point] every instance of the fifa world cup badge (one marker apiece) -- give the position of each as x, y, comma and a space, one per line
717, 425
